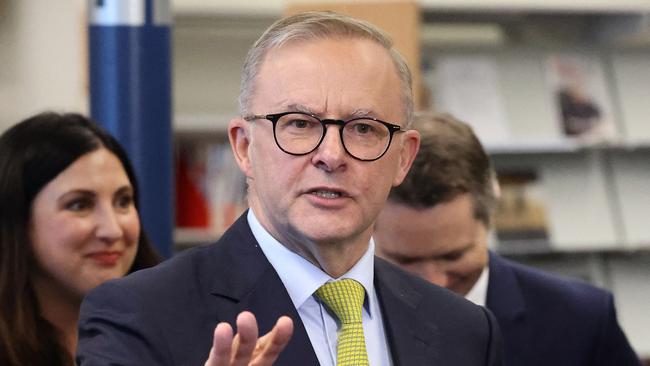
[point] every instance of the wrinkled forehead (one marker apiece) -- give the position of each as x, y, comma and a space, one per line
330, 76
274, 40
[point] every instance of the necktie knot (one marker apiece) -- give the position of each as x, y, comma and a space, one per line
345, 299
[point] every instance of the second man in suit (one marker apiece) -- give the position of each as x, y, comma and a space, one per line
436, 225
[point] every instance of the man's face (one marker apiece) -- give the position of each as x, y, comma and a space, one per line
445, 244
326, 197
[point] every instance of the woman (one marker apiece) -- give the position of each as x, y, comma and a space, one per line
68, 222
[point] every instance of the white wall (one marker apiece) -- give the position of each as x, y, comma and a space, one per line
43, 58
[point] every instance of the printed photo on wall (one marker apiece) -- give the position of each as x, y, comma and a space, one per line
581, 96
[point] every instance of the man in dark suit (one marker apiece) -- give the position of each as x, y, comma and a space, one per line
436, 225
324, 134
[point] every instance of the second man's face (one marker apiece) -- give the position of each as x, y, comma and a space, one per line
326, 196
445, 244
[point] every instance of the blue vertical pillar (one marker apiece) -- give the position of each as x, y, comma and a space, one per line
130, 94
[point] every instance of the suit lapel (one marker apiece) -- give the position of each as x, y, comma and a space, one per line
411, 341
504, 296
244, 279
506, 301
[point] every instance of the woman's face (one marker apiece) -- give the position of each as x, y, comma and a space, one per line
84, 227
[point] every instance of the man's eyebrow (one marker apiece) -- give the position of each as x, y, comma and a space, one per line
362, 112
296, 107
454, 252
357, 113
401, 257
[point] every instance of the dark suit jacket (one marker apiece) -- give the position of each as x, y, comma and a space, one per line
166, 315
549, 320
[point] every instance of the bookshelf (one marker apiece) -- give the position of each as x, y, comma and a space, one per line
209, 50
597, 192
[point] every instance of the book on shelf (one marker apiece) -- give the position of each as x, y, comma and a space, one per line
468, 87
211, 190
581, 97
521, 214
192, 207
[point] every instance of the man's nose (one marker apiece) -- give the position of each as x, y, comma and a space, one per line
438, 277
330, 154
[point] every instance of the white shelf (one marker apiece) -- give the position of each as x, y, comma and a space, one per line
561, 146
275, 7
619, 6
211, 124
544, 248
534, 147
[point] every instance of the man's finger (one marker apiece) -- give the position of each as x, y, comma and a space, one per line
221, 346
245, 340
271, 344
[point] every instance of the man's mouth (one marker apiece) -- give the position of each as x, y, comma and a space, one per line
326, 194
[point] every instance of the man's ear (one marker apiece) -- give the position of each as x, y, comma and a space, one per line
239, 134
409, 149
496, 187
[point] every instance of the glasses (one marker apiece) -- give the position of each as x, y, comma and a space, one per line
297, 133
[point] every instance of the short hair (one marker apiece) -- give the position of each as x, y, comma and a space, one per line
33, 153
451, 161
315, 25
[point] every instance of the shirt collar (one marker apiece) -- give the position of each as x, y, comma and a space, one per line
478, 293
300, 277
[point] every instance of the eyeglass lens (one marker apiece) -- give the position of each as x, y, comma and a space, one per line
298, 133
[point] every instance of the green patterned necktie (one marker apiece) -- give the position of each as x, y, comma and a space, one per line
345, 299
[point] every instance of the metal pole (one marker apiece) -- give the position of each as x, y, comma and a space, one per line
130, 95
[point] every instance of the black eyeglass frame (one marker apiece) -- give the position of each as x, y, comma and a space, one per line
275, 117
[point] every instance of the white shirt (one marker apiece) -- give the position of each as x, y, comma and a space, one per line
301, 279
478, 293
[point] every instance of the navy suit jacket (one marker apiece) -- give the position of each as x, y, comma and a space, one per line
166, 315
549, 320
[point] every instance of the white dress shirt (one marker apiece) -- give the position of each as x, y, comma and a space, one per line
478, 293
301, 279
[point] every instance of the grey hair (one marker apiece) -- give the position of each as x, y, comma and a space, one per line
315, 25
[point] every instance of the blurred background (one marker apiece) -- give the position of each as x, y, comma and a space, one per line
558, 91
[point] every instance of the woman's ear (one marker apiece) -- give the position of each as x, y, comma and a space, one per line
239, 135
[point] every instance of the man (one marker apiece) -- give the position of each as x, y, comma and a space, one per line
436, 225
325, 105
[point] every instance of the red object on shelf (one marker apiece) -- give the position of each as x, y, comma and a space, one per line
192, 209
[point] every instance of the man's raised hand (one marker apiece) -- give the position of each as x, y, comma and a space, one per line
245, 348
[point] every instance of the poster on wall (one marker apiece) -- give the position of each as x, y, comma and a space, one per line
581, 97
468, 87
